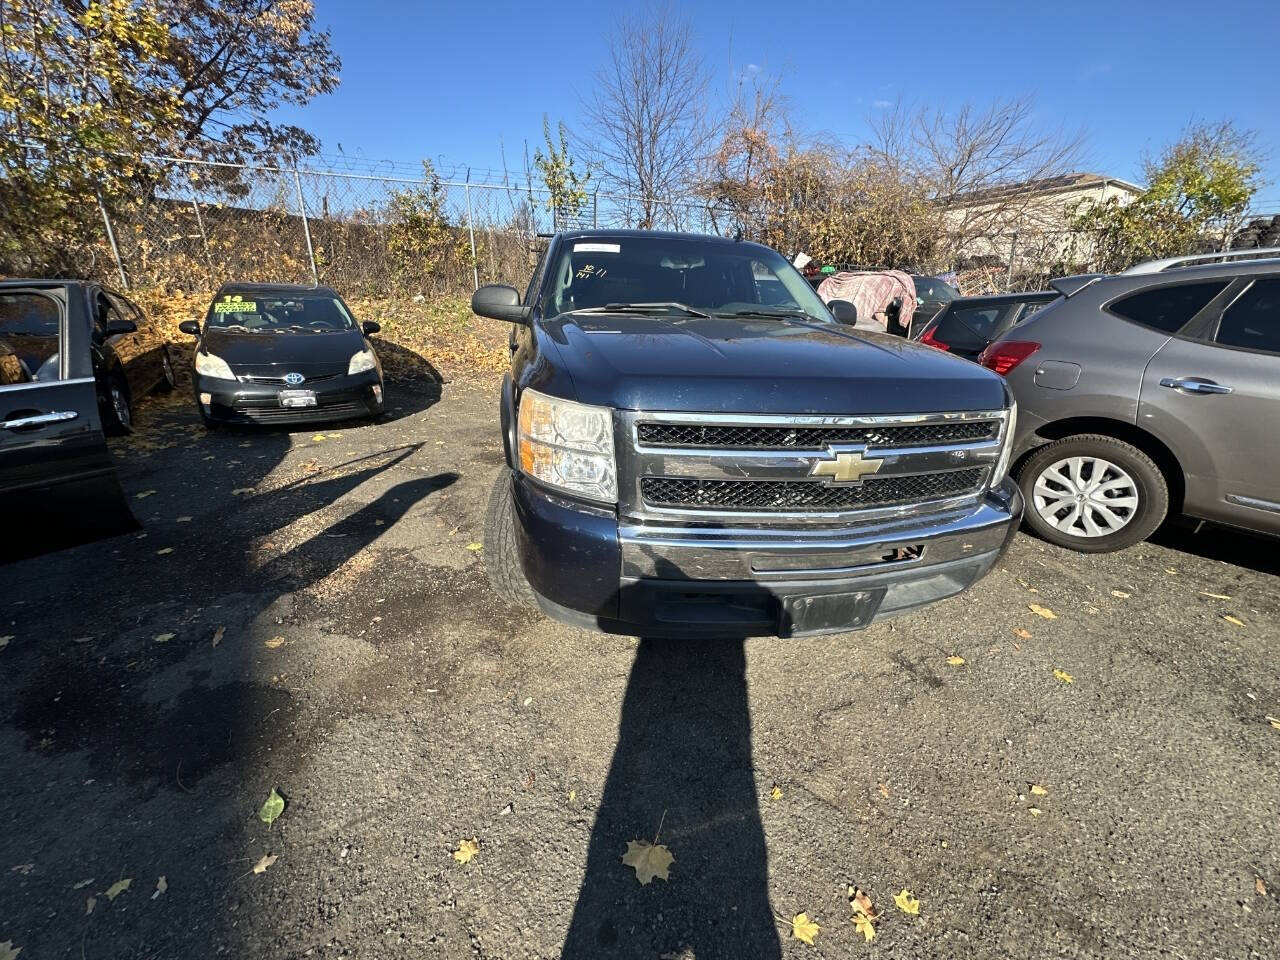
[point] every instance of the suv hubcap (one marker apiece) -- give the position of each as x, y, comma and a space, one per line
121, 406
1085, 496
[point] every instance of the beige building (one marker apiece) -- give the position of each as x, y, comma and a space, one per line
1026, 222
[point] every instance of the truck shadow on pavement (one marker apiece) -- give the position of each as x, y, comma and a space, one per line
682, 776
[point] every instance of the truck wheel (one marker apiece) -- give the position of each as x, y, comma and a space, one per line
501, 557
1093, 493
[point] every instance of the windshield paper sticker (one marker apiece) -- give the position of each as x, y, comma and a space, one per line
590, 270
230, 304
597, 248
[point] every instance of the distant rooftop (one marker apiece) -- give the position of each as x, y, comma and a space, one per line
1066, 183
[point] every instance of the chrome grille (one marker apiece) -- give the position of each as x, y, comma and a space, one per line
805, 495
729, 437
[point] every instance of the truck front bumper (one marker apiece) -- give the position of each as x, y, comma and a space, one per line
589, 570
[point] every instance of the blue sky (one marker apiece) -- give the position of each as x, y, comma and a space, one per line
454, 82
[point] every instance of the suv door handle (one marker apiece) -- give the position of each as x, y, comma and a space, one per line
1193, 385
38, 420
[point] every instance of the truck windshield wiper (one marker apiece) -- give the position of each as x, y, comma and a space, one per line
684, 308
774, 315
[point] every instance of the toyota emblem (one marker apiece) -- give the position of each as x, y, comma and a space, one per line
293, 379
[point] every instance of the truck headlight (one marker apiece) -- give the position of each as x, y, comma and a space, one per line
1006, 444
568, 445
362, 361
212, 365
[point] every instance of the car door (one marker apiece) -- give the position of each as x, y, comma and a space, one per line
57, 482
1215, 397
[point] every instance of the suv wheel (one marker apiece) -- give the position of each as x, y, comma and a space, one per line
169, 379
501, 557
1093, 493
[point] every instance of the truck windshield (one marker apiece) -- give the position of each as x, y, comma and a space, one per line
677, 278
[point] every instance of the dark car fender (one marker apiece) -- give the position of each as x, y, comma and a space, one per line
508, 416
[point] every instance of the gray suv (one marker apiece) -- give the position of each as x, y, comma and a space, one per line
1151, 392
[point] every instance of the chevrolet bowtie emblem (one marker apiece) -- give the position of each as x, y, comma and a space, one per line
845, 468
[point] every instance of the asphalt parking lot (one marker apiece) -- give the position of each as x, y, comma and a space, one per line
307, 611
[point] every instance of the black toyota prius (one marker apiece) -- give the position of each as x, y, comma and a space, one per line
271, 353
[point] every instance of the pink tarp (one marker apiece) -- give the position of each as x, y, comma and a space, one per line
871, 293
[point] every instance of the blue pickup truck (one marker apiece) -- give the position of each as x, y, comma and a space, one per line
697, 445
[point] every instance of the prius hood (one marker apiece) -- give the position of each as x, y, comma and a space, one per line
770, 366
305, 353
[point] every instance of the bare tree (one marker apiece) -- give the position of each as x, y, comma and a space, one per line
648, 115
987, 168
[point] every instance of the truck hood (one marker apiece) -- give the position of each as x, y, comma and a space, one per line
772, 366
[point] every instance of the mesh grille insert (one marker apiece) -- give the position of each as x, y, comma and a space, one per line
811, 438
801, 495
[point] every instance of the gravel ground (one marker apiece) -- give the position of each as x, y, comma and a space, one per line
307, 611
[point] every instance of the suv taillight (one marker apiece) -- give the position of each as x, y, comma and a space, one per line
933, 341
1003, 355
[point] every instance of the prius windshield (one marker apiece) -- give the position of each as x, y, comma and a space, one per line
677, 278
256, 312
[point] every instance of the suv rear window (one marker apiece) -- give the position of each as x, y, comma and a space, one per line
1168, 308
973, 327
1253, 321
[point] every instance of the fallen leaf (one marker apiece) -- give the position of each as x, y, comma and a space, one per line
8, 951
776, 792
274, 642
1042, 611
1274, 721
117, 888
649, 860
1216, 596
1170, 570
143, 495
241, 490
266, 861
862, 923
467, 849
272, 807
1024, 634
573, 795
22, 868
1260, 886
804, 929
182, 520
1230, 619
82, 884
1063, 676
163, 550
884, 790
379, 523
161, 886
955, 661
861, 903
4, 641
218, 635
475, 546
164, 637
905, 902
89, 904
1035, 811
1038, 790
1120, 593
506, 810
318, 437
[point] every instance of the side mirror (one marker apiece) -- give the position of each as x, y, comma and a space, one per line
190, 327
500, 302
844, 311
370, 328
117, 327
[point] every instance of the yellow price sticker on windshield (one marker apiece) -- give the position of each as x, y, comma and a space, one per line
235, 304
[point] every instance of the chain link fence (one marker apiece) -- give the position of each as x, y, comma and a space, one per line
365, 234
374, 234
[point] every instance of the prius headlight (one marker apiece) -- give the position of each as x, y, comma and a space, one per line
1006, 444
568, 445
212, 365
362, 361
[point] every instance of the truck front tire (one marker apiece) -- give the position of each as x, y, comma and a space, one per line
501, 556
